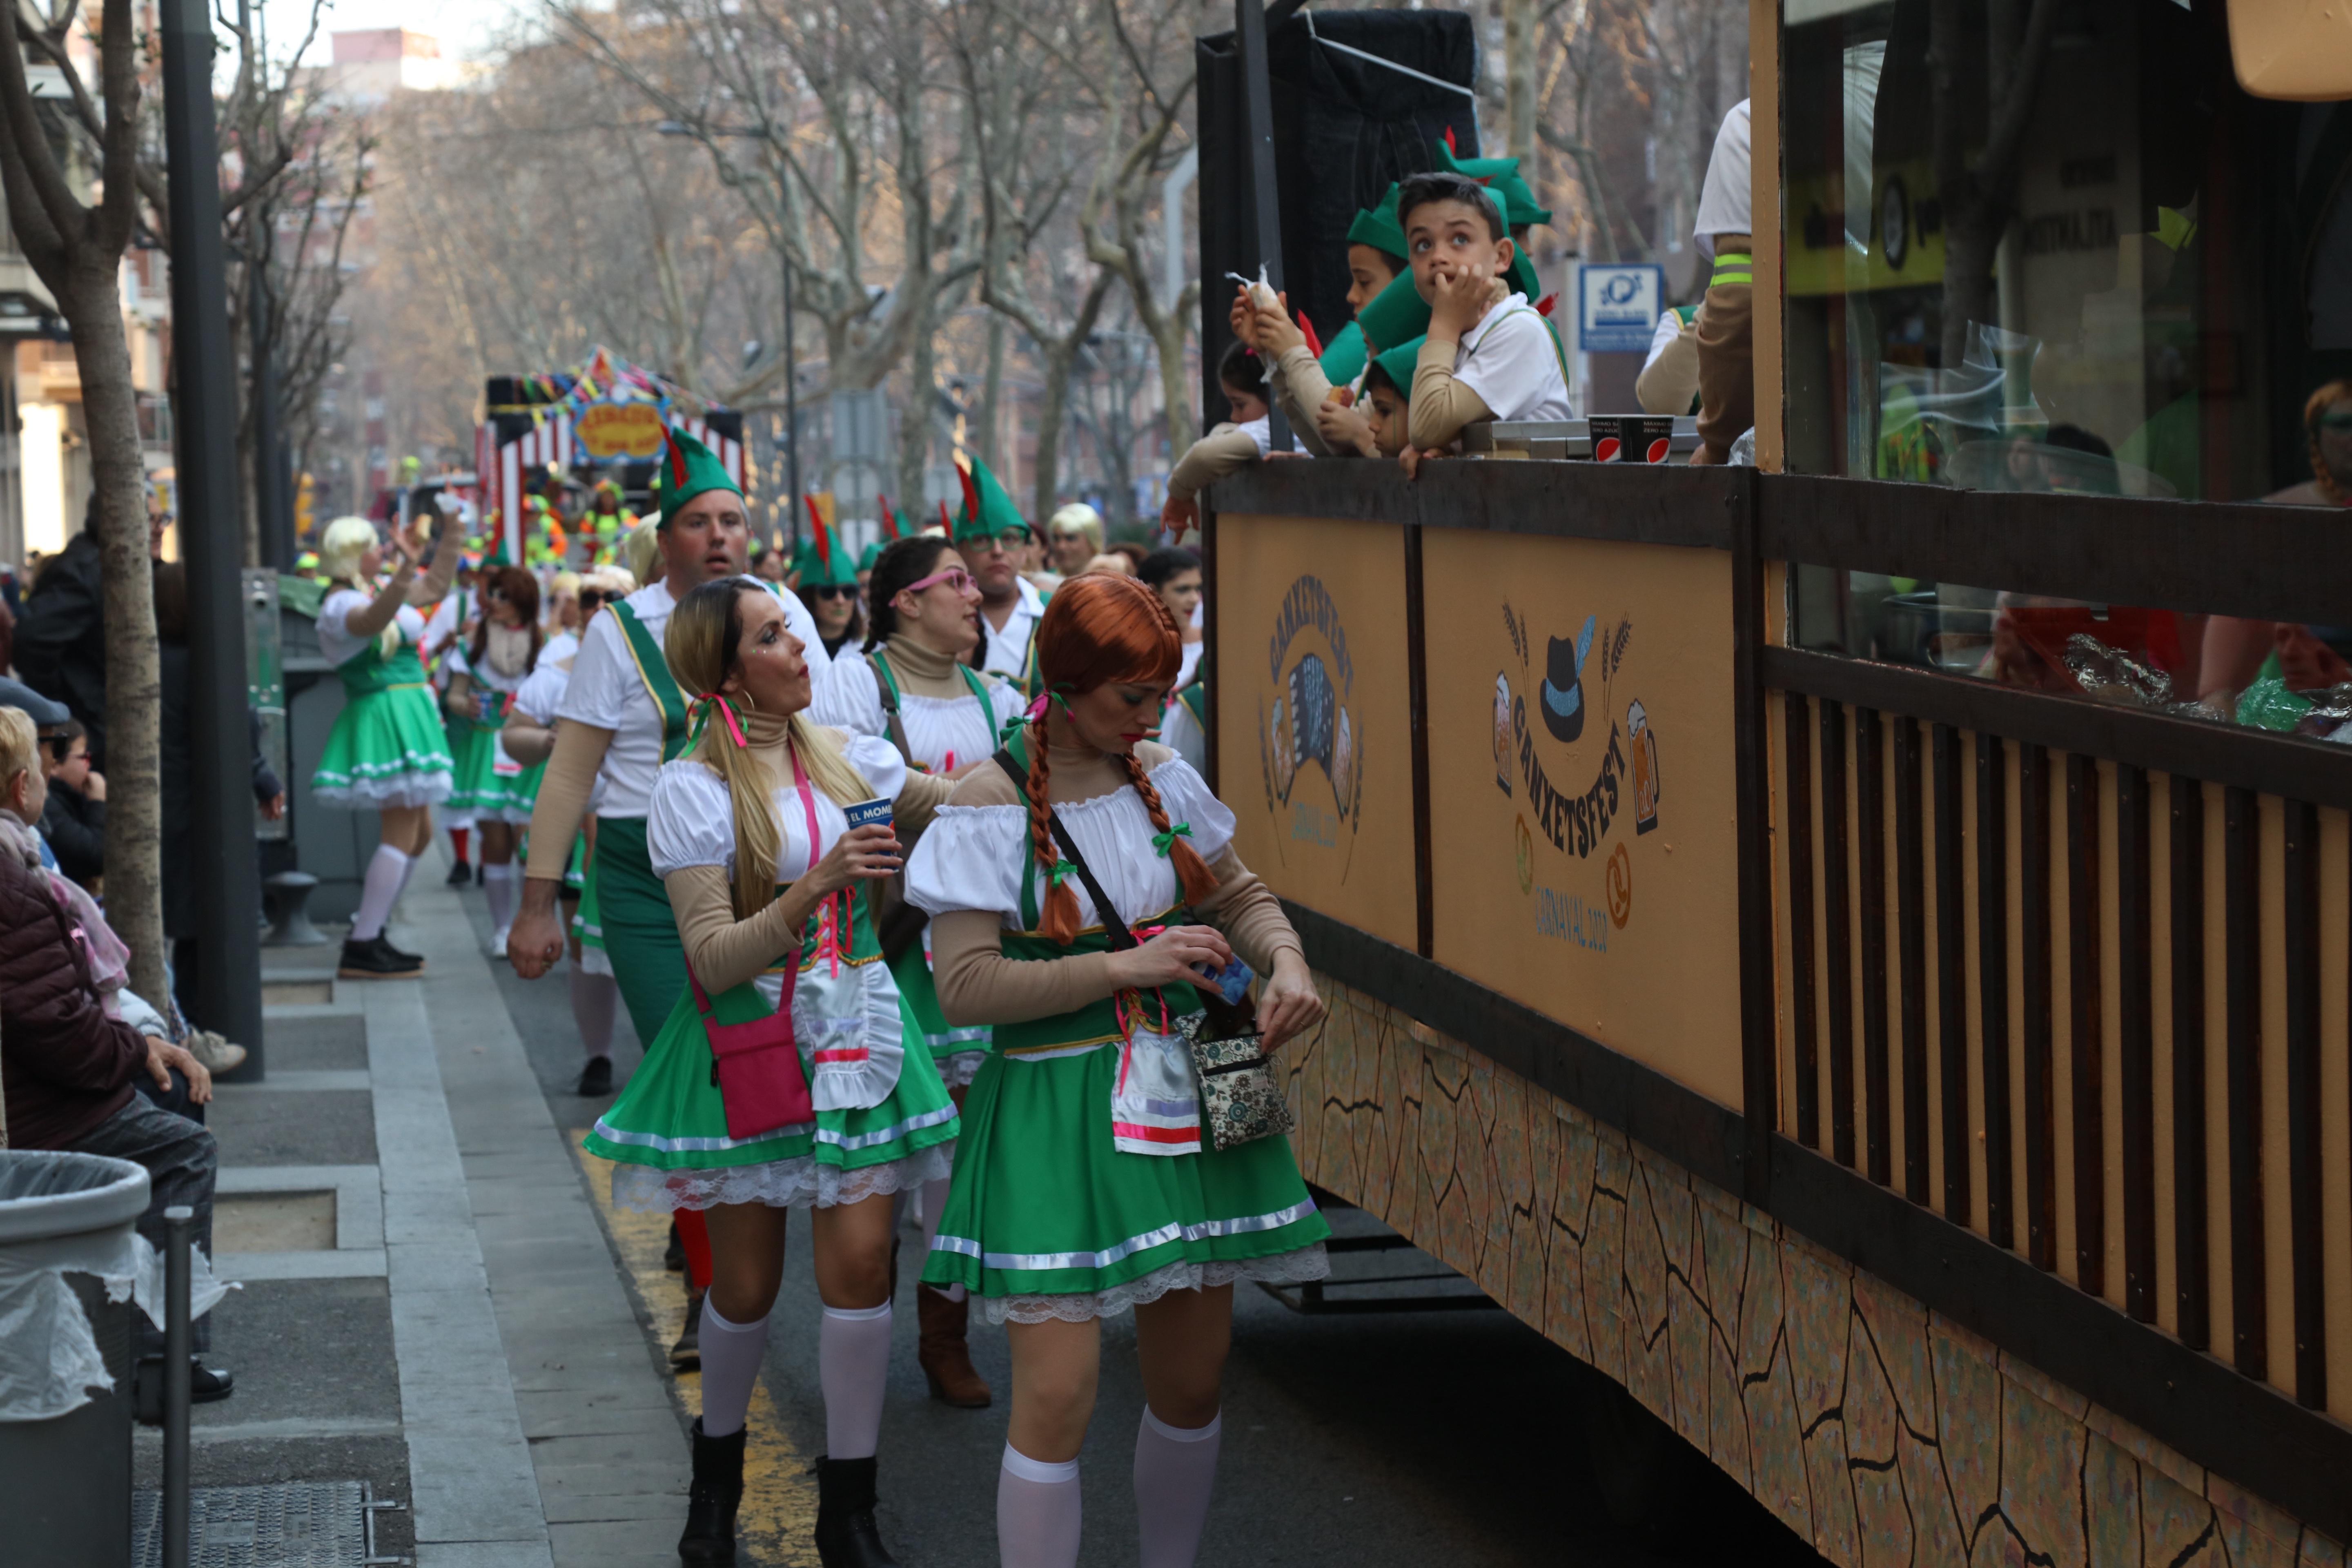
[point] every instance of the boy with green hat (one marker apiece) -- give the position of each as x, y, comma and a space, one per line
1489, 356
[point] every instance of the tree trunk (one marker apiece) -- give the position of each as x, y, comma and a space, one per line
983, 440
1520, 55
915, 433
1060, 354
134, 826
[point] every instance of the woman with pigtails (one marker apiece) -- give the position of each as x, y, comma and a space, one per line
1084, 1185
790, 1073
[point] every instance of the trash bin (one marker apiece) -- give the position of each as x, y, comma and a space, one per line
64, 1439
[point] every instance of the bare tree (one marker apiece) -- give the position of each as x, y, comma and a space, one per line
76, 248
1146, 139
1979, 198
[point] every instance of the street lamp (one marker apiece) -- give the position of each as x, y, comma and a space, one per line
792, 364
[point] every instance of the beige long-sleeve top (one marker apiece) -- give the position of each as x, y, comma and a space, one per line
978, 984
1301, 387
1226, 449
405, 588
726, 951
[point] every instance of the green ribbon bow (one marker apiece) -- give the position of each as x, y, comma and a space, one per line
1056, 872
1164, 842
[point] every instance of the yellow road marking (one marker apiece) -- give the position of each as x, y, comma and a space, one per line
777, 1523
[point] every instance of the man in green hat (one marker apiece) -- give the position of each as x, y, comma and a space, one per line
989, 534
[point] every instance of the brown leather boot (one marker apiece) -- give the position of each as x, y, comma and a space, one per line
945, 1358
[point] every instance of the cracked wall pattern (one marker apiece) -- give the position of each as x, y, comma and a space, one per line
1882, 1433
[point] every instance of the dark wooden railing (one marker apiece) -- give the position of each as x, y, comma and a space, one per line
2043, 999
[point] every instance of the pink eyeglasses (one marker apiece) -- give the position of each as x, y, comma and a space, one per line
956, 577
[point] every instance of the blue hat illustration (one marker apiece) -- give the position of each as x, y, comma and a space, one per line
1563, 685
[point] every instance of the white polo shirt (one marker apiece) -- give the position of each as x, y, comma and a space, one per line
1509, 360
607, 692
1008, 650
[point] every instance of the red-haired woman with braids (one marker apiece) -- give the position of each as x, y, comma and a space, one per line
1082, 1183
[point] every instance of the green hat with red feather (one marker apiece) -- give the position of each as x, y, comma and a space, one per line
825, 562
685, 469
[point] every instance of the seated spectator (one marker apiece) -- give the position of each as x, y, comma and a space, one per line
67, 1066
74, 821
1488, 354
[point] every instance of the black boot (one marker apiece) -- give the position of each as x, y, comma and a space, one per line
846, 1537
711, 1502
375, 960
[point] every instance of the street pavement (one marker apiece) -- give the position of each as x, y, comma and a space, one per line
440, 1300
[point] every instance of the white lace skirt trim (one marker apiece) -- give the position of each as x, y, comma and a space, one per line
1297, 1267
804, 1183
398, 790
958, 1070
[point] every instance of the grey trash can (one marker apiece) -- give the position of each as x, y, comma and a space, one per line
66, 1493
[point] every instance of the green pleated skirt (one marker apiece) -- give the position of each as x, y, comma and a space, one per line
386, 749
668, 1132
1048, 1219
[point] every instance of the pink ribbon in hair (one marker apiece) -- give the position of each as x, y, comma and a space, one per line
710, 699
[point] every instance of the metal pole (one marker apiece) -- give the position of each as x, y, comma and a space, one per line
274, 516
792, 404
1257, 140
222, 872
176, 1362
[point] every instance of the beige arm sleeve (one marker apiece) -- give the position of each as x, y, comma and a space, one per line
918, 803
1441, 404
726, 951
563, 792
527, 742
1226, 449
1301, 383
1669, 383
362, 624
431, 588
978, 984
1247, 911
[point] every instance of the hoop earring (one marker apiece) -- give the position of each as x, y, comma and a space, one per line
746, 703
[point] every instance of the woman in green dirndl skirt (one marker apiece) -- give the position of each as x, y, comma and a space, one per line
915, 685
1085, 1184
487, 670
772, 888
385, 753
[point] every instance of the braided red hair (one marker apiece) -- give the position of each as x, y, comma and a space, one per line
1102, 628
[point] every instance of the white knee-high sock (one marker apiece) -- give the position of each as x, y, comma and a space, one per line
380, 888
853, 1360
730, 1365
1174, 1472
499, 886
935, 1202
593, 1000
1037, 1515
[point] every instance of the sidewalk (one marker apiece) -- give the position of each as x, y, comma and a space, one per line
430, 1304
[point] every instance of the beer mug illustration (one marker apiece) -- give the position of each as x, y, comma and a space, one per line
1503, 733
1644, 744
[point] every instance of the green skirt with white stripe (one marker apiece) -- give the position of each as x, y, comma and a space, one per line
1048, 1219
959, 1048
667, 1133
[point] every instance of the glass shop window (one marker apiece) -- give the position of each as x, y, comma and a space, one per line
2055, 245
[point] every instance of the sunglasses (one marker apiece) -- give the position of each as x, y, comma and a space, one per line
835, 591
955, 577
594, 598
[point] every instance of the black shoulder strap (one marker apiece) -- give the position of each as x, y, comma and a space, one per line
1113, 926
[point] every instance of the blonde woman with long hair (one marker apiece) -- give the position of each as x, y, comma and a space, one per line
387, 751
772, 886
